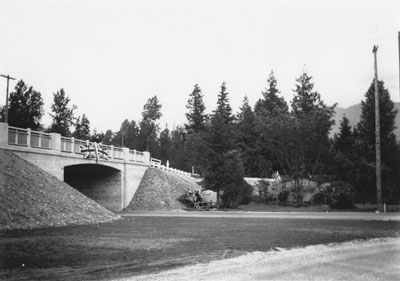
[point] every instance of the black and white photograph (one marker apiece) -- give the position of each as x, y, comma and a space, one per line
184, 140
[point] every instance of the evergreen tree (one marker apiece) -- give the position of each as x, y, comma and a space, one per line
300, 142
178, 151
149, 128
220, 138
306, 100
268, 111
82, 128
195, 117
271, 104
25, 107
389, 148
219, 142
246, 138
344, 157
63, 114
344, 141
128, 135
165, 145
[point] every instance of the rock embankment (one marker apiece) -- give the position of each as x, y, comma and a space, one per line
32, 198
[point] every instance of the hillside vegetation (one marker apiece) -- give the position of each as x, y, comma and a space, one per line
32, 198
161, 190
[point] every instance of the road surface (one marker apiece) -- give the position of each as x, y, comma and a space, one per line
376, 259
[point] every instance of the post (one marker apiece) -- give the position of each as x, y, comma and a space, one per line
8, 81
55, 141
3, 134
398, 34
377, 137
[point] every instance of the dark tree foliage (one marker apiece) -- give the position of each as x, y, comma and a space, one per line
246, 137
165, 145
178, 152
230, 176
196, 117
195, 130
108, 137
63, 114
300, 141
25, 107
97, 136
271, 104
219, 135
344, 141
149, 127
82, 128
220, 143
345, 152
268, 110
389, 148
127, 136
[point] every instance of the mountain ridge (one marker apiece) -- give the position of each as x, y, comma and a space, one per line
353, 113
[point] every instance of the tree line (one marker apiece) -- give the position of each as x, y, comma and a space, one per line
223, 147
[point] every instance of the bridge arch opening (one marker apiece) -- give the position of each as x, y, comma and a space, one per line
98, 182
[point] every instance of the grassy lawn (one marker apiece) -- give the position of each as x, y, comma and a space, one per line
138, 245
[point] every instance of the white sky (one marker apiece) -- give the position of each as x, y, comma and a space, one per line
111, 56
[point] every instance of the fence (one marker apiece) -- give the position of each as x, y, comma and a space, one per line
156, 163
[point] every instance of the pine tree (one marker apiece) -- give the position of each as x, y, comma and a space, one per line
25, 107
195, 117
63, 114
149, 127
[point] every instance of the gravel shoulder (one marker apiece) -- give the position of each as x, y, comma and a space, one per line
375, 259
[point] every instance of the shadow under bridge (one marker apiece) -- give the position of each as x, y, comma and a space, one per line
99, 182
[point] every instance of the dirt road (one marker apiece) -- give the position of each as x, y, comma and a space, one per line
360, 216
376, 259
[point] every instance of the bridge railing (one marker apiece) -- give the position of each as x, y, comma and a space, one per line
156, 163
137, 156
14, 136
29, 138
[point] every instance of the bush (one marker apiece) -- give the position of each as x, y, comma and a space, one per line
341, 195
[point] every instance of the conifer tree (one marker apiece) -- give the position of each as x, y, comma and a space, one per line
195, 117
246, 137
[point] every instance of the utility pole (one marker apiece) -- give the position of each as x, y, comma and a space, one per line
377, 137
8, 80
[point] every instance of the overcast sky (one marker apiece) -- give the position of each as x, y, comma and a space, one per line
111, 56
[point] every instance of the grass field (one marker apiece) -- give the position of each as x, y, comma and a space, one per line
138, 245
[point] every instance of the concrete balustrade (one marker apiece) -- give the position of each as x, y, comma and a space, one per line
13, 136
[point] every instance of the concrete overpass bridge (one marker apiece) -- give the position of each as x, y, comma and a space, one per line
111, 182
